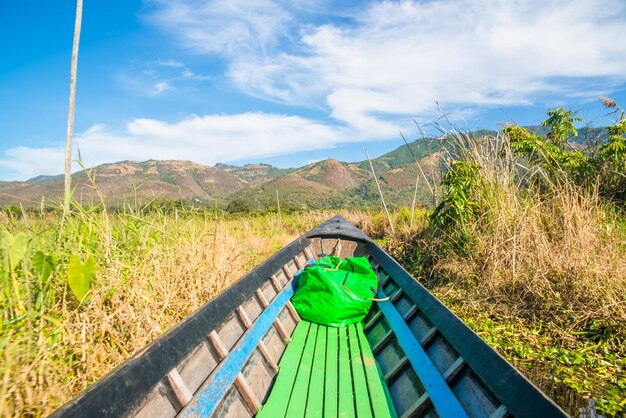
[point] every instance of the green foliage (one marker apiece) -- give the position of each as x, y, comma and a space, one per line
170, 178
549, 154
612, 163
14, 248
43, 265
459, 205
13, 210
80, 275
585, 367
561, 124
615, 148
604, 166
239, 205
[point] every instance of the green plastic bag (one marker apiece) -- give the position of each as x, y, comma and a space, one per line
335, 292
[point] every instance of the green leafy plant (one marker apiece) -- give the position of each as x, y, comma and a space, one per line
459, 204
14, 248
561, 124
602, 165
550, 152
611, 162
80, 275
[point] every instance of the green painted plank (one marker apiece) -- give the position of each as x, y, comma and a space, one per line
276, 405
331, 381
315, 400
297, 402
346, 395
361, 395
381, 403
392, 407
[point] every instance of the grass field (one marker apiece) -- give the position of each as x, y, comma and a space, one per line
151, 269
144, 271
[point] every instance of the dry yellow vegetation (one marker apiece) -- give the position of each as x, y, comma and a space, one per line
153, 270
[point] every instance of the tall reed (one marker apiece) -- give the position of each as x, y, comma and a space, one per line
525, 246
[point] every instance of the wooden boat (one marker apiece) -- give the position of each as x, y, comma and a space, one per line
247, 352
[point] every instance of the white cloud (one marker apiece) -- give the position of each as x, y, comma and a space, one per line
151, 78
395, 59
203, 139
160, 87
368, 68
221, 26
22, 163
187, 74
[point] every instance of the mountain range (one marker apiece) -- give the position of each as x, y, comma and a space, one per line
323, 184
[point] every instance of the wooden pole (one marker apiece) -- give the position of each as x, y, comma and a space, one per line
380, 192
70, 113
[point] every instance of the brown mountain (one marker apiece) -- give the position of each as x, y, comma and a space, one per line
333, 174
130, 180
253, 173
332, 183
323, 184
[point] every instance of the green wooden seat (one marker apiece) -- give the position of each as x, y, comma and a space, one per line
329, 372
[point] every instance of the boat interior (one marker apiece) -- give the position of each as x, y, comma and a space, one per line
296, 368
248, 353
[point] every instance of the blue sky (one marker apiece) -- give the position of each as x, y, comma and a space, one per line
291, 82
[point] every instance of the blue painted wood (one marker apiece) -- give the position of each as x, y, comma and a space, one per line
442, 397
520, 397
124, 389
209, 397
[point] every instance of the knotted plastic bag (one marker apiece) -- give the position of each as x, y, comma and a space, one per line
335, 292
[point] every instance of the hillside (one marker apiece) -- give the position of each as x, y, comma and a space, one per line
130, 180
252, 173
318, 185
323, 184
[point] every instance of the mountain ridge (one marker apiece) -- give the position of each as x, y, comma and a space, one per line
321, 184
318, 184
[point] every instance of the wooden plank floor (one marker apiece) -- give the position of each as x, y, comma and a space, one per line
328, 372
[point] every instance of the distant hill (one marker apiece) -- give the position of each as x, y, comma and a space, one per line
585, 134
252, 173
323, 184
402, 156
43, 178
130, 180
317, 185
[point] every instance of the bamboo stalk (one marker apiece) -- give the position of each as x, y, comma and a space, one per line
70, 113
380, 192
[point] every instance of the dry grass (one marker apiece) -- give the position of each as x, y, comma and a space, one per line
552, 260
160, 268
553, 253
555, 258
539, 257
